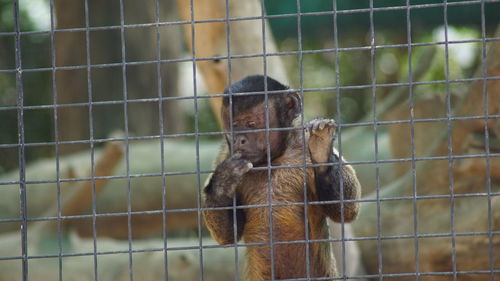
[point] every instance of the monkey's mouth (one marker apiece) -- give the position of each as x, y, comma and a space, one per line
256, 158
246, 155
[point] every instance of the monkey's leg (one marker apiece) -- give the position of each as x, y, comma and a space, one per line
336, 181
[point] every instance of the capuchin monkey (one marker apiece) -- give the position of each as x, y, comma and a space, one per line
278, 231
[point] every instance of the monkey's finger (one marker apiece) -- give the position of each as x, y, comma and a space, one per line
307, 126
248, 167
243, 167
313, 125
240, 162
331, 123
321, 125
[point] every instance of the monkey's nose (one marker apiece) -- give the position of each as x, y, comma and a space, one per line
240, 141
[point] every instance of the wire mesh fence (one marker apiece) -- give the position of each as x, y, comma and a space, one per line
111, 121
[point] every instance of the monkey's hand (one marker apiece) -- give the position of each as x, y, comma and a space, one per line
219, 193
321, 136
228, 175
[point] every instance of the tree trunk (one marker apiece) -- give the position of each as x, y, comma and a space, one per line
211, 40
108, 83
71, 85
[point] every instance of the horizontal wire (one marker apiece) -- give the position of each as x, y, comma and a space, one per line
218, 133
261, 17
353, 163
252, 244
210, 96
245, 56
177, 173
252, 206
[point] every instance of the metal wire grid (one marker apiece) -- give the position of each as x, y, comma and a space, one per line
373, 85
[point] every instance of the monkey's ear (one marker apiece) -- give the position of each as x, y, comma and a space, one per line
293, 105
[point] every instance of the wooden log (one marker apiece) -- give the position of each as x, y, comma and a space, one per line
149, 263
146, 187
450, 218
84, 192
433, 218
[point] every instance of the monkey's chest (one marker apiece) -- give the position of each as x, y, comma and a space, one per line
278, 201
282, 186
276, 210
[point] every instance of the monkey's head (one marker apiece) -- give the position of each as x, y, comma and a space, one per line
249, 113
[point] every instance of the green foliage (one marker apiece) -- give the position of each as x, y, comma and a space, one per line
318, 70
422, 17
36, 87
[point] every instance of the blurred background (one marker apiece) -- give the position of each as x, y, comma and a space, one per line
114, 93
318, 68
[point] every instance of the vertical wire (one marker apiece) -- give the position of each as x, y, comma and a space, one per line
56, 137
268, 146
304, 148
373, 82
450, 142
91, 137
197, 137
412, 141
449, 114
21, 141
484, 69
229, 79
127, 156
162, 144
339, 132
373, 79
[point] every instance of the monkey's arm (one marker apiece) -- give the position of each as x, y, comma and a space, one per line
220, 222
338, 182
333, 182
219, 193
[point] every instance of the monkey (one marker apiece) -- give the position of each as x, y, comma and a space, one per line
274, 214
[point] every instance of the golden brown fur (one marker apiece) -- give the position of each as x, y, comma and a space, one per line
285, 236
289, 223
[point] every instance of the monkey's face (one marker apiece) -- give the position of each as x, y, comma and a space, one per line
249, 136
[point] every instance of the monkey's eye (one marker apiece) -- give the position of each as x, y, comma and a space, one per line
251, 124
